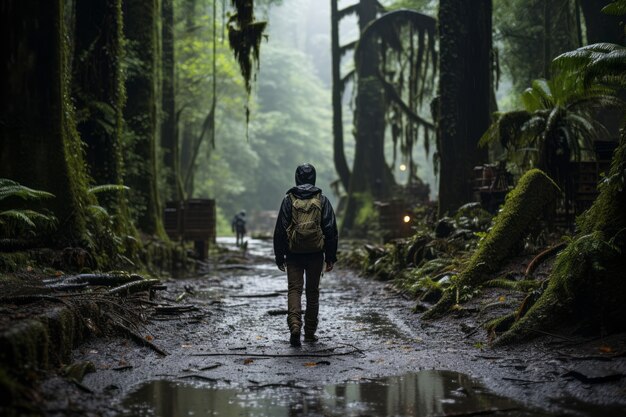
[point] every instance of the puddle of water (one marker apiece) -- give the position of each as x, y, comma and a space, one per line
425, 393
378, 324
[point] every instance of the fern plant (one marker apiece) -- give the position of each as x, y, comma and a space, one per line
600, 62
15, 221
558, 124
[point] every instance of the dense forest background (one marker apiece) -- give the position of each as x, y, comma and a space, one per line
147, 105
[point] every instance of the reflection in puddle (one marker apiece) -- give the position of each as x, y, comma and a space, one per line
425, 393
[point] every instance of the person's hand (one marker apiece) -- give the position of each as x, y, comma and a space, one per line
282, 267
329, 266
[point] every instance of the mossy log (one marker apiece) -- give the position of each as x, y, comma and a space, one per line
524, 205
587, 282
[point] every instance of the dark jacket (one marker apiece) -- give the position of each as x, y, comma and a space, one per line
329, 224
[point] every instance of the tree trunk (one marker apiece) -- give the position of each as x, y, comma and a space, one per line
341, 165
530, 199
169, 131
601, 27
464, 88
371, 178
99, 91
40, 145
142, 111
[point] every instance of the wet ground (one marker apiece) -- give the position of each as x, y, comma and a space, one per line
231, 357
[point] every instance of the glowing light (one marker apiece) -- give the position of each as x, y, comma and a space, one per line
407, 219
402, 167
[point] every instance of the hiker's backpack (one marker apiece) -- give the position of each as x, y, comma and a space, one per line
304, 234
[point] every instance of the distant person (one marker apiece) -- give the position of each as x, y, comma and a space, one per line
238, 226
304, 237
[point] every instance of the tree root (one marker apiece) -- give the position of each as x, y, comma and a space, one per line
524, 205
585, 282
541, 257
133, 287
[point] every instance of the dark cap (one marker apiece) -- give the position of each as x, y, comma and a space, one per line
305, 174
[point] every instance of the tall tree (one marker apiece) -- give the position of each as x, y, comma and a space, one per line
142, 29
98, 90
601, 27
464, 88
40, 145
169, 131
338, 87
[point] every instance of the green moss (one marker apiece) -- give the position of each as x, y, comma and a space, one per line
523, 206
587, 280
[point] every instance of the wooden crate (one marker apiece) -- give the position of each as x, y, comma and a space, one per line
391, 220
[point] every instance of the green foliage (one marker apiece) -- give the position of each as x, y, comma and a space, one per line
600, 62
616, 8
520, 30
286, 130
558, 123
109, 245
16, 221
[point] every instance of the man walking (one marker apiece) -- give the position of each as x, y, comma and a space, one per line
304, 237
238, 226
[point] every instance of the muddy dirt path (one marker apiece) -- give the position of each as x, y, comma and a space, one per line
231, 356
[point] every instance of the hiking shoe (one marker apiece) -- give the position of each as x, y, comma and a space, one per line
294, 340
310, 338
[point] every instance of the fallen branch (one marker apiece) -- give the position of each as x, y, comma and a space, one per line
196, 376
133, 287
270, 294
169, 309
137, 338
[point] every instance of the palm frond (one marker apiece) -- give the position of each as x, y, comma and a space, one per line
98, 211
617, 8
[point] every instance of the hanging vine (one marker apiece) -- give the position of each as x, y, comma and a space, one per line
244, 36
407, 73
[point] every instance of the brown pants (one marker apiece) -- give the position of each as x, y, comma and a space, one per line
296, 267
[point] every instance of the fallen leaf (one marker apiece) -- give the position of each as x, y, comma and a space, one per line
501, 299
310, 364
248, 361
58, 273
149, 338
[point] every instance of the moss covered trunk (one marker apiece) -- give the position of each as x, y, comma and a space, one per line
169, 131
98, 88
142, 112
587, 281
523, 207
464, 88
38, 138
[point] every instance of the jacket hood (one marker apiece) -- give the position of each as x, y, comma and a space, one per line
305, 174
304, 191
